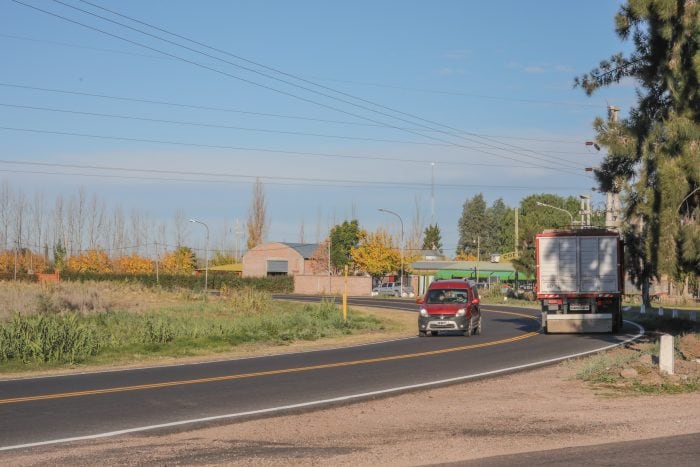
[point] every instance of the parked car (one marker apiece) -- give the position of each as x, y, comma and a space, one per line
393, 289
450, 305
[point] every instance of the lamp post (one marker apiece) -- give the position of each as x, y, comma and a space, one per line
558, 209
400, 248
206, 255
478, 256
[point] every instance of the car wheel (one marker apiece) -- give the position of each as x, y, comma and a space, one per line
422, 333
433, 333
477, 331
470, 327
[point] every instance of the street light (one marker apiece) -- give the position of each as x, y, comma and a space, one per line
206, 255
400, 248
478, 256
558, 209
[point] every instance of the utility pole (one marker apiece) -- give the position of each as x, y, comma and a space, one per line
432, 193
517, 215
585, 210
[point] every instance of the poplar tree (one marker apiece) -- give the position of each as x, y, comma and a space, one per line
654, 154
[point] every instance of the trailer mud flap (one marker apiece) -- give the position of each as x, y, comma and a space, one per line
597, 322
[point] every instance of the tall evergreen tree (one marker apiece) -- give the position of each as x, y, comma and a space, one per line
472, 224
497, 218
432, 238
654, 154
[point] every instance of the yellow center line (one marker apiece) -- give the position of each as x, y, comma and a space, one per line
212, 379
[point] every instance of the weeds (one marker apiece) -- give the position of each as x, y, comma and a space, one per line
60, 334
605, 367
48, 339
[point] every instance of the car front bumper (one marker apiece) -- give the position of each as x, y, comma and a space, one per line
442, 323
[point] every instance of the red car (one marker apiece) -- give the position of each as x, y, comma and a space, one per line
450, 305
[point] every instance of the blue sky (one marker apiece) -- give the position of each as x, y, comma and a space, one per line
500, 71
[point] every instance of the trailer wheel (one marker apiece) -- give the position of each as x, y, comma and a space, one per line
617, 323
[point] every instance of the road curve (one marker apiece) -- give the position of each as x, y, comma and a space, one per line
38, 411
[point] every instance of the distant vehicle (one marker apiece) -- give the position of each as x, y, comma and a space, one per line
580, 280
393, 289
450, 305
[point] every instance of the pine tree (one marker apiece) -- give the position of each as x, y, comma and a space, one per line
432, 238
654, 155
472, 224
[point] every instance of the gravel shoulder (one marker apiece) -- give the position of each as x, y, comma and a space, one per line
546, 408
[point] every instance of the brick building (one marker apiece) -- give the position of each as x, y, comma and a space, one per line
273, 259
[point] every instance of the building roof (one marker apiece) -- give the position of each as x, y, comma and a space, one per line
236, 267
306, 250
461, 265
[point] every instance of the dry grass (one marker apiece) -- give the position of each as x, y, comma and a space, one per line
85, 297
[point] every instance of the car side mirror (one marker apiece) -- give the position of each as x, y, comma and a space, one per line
419, 301
476, 301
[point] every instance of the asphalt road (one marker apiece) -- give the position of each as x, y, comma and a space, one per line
52, 409
678, 451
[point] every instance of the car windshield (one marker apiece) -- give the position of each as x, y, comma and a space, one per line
447, 296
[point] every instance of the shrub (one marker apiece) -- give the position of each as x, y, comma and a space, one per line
95, 261
133, 264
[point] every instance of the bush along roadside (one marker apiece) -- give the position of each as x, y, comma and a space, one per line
32, 342
216, 281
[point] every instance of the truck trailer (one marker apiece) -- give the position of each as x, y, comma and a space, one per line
580, 280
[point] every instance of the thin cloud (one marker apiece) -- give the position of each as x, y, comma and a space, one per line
449, 71
458, 54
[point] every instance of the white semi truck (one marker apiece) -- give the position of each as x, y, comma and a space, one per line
580, 280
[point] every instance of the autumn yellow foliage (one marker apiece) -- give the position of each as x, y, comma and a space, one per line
376, 254
90, 261
26, 262
133, 264
180, 261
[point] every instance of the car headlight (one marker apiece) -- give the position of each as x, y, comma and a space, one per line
424, 312
461, 312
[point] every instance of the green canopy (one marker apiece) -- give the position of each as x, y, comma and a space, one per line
483, 274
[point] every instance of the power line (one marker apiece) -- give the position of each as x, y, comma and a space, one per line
267, 178
261, 114
264, 150
362, 83
271, 77
276, 70
233, 127
213, 125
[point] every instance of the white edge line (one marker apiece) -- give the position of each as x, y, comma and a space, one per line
325, 401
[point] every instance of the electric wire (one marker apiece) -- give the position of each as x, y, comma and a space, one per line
261, 114
270, 77
304, 184
263, 150
276, 70
233, 127
361, 83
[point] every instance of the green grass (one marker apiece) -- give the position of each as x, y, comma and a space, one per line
54, 340
665, 387
604, 368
